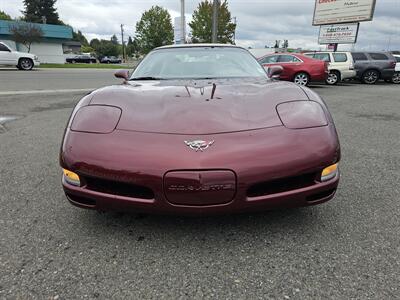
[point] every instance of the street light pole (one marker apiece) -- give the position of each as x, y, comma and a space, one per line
234, 33
123, 42
214, 38
183, 23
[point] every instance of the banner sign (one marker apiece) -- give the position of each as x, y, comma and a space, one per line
338, 34
343, 11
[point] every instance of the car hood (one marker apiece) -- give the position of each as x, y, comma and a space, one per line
198, 107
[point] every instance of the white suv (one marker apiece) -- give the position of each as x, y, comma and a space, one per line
21, 60
341, 65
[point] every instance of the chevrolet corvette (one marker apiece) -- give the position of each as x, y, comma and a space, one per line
200, 129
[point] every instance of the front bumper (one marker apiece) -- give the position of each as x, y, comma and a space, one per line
317, 194
253, 157
36, 63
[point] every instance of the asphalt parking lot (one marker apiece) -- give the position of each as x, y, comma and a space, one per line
348, 248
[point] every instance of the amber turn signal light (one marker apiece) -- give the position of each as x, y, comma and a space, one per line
329, 172
71, 177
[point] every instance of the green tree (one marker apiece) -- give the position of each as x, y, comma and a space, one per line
133, 49
114, 40
286, 44
94, 43
26, 34
105, 48
201, 24
36, 10
154, 29
4, 16
79, 37
87, 49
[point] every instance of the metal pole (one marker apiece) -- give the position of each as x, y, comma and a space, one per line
336, 47
123, 42
183, 23
214, 38
234, 33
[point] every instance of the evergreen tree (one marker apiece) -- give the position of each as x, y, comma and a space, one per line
4, 16
133, 48
154, 29
286, 44
114, 40
79, 37
201, 24
36, 10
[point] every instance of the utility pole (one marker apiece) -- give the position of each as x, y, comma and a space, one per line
183, 23
123, 42
214, 38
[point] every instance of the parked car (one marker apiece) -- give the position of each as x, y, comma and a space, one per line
200, 129
297, 68
340, 65
85, 59
372, 66
110, 60
21, 60
396, 75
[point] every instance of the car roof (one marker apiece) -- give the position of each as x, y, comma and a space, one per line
198, 46
383, 52
311, 52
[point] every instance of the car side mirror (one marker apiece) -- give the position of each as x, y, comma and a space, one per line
274, 72
123, 74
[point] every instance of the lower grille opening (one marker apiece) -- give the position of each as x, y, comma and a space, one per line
281, 185
118, 188
82, 200
320, 196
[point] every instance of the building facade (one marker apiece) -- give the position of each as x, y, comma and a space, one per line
50, 48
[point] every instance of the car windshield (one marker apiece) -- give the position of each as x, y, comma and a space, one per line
198, 63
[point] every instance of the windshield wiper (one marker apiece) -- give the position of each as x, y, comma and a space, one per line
146, 78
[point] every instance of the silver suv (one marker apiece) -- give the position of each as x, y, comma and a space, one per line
341, 65
372, 66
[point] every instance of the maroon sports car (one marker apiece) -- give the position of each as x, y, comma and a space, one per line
200, 129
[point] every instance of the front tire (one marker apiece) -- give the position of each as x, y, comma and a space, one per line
25, 64
333, 78
302, 79
370, 77
396, 78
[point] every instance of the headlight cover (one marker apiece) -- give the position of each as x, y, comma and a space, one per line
301, 114
100, 119
329, 172
71, 177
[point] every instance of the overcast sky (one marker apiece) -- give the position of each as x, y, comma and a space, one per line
260, 22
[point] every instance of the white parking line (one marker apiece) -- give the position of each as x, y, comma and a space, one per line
32, 92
